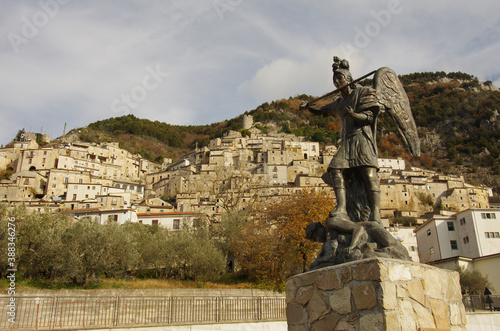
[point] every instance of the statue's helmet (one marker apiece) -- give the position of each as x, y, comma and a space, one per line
341, 67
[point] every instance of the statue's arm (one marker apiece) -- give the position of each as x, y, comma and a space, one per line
320, 111
364, 117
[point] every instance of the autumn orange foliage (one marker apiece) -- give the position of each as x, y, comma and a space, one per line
272, 246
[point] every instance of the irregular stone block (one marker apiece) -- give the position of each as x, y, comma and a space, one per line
346, 276
416, 291
399, 272
296, 314
306, 279
406, 316
453, 288
364, 296
432, 284
389, 298
344, 326
455, 315
401, 292
290, 290
391, 321
371, 322
440, 312
340, 301
327, 282
416, 272
303, 295
326, 323
367, 271
424, 316
316, 307
352, 318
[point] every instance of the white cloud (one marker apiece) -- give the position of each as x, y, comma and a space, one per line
91, 52
286, 77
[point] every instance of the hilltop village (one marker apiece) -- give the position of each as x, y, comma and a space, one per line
421, 208
232, 172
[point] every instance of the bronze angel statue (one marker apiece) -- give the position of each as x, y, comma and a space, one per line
353, 170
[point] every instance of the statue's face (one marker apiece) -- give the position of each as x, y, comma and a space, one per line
339, 81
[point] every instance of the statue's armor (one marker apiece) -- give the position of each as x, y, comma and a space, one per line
358, 144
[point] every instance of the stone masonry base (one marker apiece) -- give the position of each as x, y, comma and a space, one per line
375, 294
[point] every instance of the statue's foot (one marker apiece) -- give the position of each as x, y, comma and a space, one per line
376, 218
338, 212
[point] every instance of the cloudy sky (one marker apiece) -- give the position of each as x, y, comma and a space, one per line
205, 61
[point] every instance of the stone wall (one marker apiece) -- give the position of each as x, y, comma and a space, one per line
375, 294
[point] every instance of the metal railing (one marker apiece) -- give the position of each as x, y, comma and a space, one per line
45, 313
481, 302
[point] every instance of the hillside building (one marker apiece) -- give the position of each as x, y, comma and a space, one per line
470, 238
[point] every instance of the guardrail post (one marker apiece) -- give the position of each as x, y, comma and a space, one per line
471, 303
171, 318
117, 311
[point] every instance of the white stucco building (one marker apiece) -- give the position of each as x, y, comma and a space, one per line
470, 239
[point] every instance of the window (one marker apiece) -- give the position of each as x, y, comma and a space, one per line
112, 218
154, 222
451, 226
466, 239
487, 234
177, 224
454, 245
497, 235
431, 250
429, 233
462, 221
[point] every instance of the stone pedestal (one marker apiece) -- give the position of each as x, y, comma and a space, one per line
375, 294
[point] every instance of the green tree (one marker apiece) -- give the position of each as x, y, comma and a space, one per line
473, 282
193, 254
93, 250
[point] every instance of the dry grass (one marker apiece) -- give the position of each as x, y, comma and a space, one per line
111, 283
167, 283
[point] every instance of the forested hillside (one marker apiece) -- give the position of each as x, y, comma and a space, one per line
457, 118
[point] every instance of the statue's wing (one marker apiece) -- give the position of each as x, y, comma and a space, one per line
393, 99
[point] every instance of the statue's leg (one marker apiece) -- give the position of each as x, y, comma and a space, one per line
339, 189
373, 190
